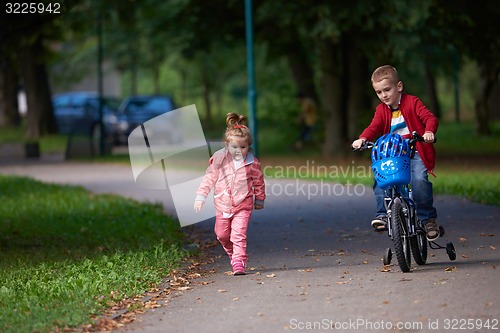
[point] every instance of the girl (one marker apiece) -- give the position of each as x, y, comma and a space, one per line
236, 177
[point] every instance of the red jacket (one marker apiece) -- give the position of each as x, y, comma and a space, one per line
417, 117
234, 189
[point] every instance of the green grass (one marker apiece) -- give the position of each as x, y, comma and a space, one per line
478, 186
66, 254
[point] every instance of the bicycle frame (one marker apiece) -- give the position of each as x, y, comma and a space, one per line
411, 226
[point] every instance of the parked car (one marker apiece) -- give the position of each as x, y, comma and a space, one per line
78, 112
136, 110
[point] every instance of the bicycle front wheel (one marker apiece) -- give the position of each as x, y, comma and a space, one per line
400, 236
419, 246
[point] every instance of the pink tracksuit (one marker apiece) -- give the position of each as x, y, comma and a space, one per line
234, 192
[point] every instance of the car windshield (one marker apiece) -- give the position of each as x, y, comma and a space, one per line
150, 105
74, 101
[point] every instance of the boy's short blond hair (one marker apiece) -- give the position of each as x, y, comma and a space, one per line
385, 72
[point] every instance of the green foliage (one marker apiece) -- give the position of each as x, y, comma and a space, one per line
66, 254
478, 186
460, 139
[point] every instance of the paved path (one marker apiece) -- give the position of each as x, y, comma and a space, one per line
316, 264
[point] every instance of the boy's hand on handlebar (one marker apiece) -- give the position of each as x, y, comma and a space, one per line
356, 144
429, 137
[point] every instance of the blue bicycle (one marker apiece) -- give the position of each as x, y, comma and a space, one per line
393, 174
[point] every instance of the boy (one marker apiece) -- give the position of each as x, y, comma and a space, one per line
402, 114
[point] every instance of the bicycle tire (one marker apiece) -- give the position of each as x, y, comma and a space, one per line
399, 236
418, 244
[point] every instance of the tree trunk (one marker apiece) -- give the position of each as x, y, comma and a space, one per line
430, 80
487, 79
302, 73
331, 91
9, 111
206, 96
36, 82
358, 99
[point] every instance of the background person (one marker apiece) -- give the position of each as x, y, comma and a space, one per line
306, 120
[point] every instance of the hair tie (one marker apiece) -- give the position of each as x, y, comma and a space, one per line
239, 126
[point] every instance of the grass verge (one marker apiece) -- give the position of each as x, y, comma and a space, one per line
472, 181
66, 254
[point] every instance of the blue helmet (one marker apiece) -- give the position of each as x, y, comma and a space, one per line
390, 145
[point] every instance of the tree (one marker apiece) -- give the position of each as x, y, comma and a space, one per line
24, 35
9, 80
474, 32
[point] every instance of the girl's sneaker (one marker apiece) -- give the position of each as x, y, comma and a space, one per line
238, 268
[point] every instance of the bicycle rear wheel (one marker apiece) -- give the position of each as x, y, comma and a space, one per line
419, 247
400, 236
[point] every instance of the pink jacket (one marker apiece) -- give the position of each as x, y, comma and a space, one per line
234, 189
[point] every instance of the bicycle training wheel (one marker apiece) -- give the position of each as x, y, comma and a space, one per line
419, 247
400, 236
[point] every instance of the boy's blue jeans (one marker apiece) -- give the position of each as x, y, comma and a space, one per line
421, 189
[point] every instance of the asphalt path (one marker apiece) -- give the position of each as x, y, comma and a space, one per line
316, 265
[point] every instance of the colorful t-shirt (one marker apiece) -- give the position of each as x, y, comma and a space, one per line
398, 124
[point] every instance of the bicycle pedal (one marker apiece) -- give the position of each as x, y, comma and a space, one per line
380, 230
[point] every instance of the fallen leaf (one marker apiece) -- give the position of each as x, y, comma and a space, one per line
309, 270
221, 291
342, 282
493, 247
486, 235
235, 299
271, 275
450, 269
464, 256
386, 268
463, 241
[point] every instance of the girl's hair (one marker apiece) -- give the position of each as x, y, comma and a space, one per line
236, 127
385, 72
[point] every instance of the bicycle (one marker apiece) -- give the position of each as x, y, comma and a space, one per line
392, 173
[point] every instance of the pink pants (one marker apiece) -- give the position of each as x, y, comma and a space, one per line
232, 234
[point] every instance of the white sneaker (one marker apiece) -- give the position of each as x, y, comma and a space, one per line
380, 222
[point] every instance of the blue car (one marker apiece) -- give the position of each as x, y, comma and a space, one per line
136, 110
78, 112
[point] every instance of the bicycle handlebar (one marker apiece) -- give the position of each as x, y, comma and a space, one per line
415, 138
366, 145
